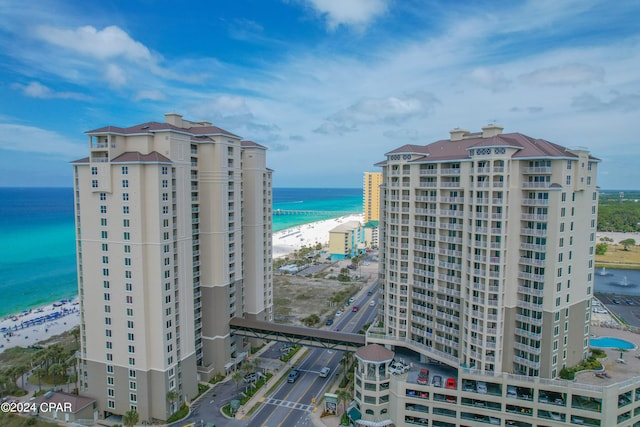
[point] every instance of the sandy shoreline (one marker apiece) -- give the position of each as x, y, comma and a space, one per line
37, 324
31, 326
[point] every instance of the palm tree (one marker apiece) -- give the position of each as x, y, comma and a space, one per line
237, 378
130, 418
344, 396
55, 370
76, 335
172, 397
40, 372
21, 370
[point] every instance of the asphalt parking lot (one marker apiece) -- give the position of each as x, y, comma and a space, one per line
627, 307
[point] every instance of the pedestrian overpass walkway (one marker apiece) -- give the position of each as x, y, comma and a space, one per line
297, 334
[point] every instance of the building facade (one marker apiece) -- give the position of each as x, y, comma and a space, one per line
486, 269
346, 240
371, 196
173, 225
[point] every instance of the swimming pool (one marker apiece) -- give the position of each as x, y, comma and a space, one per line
611, 342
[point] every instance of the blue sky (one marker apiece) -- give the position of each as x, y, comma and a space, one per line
328, 86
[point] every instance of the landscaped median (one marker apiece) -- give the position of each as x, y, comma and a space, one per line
254, 398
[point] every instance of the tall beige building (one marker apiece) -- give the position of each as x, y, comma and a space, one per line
371, 196
487, 245
173, 225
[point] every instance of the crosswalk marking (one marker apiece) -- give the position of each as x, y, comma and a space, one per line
288, 404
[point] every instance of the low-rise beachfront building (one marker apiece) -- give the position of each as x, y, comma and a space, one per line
371, 234
173, 226
486, 280
346, 240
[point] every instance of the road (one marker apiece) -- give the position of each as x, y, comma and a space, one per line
291, 403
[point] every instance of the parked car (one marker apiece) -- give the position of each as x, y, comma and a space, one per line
397, 368
329, 322
324, 372
451, 383
352, 300
293, 376
436, 381
339, 313
250, 378
423, 376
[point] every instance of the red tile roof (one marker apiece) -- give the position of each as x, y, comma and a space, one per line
151, 127
251, 144
459, 150
137, 157
375, 353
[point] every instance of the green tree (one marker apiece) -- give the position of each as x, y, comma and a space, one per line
237, 378
627, 242
40, 372
172, 398
601, 248
344, 396
130, 418
311, 320
57, 370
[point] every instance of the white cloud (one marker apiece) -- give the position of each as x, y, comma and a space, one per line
570, 74
115, 75
488, 79
623, 102
151, 94
14, 137
38, 90
356, 13
109, 43
390, 110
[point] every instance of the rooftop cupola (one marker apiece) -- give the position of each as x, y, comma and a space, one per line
458, 134
491, 130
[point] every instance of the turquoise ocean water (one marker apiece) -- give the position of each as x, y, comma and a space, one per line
37, 237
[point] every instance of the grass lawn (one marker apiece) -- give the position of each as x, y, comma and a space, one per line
617, 257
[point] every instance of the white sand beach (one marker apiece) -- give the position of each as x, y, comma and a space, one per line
32, 326
290, 240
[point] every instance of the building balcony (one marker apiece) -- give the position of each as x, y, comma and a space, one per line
479, 201
533, 232
535, 202
527, 348
479, 215
534, 217
536, 170
427, 184
498, 184
451, 199
533, 247
529, 320
531, 276
530, 291
449, 252
447, 226
453, 213
532, 261
536, 184
527, 362
528, 334
451, 171
529, 305
451, 184
428, 171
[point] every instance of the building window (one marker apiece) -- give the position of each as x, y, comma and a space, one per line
165, 170
132, 373
127, 249
127, 235
165, 210
165, 197
103, 196
103, 209
125, 197
568, 164
131, 349
94, 183
127, 261
111, 404
125, 183
129, 299
105, 271
127, 274
128, 287
125, 170
125, 210
165, 183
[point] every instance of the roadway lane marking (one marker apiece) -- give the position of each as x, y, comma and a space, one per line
289, 404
